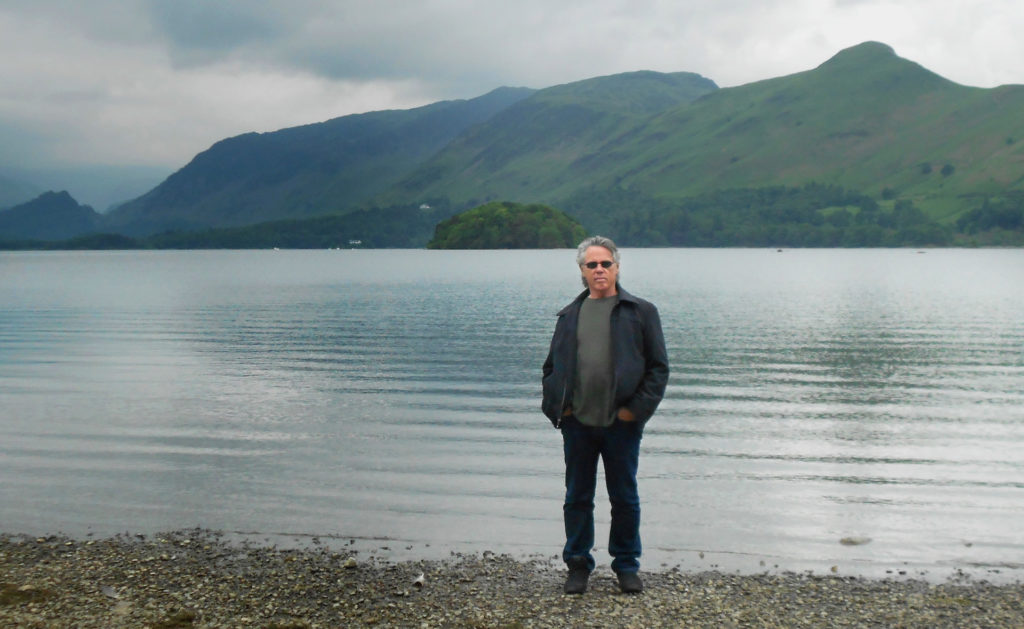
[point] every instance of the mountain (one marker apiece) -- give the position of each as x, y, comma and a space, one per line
523, 152
50, 216
345, 164
880, 133
100, 186
865, 119
322, 168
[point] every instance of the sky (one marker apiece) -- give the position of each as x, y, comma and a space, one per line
142, 86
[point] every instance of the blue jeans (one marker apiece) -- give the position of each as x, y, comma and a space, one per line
618, 446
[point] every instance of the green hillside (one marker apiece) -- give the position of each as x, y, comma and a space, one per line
324, 168
865, 149
523, 152
377, 228
866, 120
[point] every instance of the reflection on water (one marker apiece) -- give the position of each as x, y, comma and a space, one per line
815, 395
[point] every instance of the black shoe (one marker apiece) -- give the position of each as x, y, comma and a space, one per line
576, 582
630, 582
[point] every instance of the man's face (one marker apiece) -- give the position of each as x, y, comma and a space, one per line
600, 280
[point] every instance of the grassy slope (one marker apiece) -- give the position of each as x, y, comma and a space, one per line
865, 119
526, 150
314, 169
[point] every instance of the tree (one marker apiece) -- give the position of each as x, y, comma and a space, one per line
507, 225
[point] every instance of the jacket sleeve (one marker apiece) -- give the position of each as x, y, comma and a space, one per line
652, 388
552, 396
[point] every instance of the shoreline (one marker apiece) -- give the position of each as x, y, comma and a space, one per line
202, 578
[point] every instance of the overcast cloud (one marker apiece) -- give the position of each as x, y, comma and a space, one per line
153, 82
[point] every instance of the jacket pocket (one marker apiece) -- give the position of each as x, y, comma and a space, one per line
553, 399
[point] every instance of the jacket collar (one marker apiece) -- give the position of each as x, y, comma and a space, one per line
622, 294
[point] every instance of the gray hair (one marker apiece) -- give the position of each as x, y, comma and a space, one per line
595, 241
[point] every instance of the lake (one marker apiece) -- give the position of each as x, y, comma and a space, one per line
862, 409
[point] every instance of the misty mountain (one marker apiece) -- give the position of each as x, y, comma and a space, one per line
524, 151
864, 125
866, 119
50, 216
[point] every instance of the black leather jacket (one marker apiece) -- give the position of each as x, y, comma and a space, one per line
638, 353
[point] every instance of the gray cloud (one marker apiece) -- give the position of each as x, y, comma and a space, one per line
198, 32
455, 45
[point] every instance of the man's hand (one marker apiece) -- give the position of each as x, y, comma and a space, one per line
626, 415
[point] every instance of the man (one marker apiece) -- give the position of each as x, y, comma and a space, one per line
604, 376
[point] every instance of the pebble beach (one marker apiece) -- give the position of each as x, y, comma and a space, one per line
200, 578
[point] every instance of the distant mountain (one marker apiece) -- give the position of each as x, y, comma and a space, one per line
526, 151
101, 186
865, 119
51, 216
910, 155
324, 168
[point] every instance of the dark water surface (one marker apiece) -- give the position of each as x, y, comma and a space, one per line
817, 396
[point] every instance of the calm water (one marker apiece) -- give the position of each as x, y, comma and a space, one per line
816, 395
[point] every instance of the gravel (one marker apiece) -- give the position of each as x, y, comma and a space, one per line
198, 578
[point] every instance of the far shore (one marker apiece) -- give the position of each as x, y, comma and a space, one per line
201, 578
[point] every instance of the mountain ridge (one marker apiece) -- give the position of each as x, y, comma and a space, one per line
865, 120
552, 126
320, 168
50, 216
